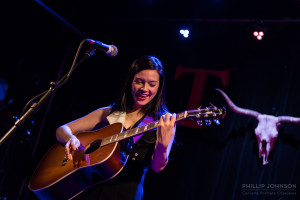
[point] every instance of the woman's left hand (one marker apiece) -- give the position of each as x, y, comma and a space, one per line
166, 130
165, 137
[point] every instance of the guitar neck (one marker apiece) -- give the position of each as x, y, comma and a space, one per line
137, 131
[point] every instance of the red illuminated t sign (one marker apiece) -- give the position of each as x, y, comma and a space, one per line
197, 91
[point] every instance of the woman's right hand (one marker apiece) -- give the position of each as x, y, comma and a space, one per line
72, 145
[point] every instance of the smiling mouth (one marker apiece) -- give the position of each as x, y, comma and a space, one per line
141, 97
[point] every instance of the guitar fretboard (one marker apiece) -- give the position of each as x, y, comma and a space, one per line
137, 131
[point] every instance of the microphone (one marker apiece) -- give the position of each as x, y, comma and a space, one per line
110, 50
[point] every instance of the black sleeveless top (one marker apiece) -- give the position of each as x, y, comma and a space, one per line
128, 184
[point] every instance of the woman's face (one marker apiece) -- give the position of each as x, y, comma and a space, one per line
144, 87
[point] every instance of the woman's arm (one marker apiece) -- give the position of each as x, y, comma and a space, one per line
165, 136
66, 134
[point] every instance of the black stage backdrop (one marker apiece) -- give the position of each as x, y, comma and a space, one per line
213, 162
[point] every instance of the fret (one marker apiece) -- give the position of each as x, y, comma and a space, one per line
116, 137
131, 131
104, 142
121, 135
145, 127
152, 125
181, 116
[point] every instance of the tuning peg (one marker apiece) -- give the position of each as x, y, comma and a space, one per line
217, 121
200, 122
214, 107
208, 122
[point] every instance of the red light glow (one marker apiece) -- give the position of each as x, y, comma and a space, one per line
258, 34
261, 33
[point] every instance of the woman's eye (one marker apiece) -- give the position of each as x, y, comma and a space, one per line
138, 82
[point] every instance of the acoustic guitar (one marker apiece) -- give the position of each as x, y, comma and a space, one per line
99, 158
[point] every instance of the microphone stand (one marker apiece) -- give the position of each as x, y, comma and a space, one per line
53, 87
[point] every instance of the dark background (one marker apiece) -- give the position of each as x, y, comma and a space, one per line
39, 42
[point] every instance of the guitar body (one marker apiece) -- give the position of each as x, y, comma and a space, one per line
56, 178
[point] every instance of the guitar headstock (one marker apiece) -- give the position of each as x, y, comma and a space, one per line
205, 116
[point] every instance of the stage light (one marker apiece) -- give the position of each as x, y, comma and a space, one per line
258, 34
184, 32
259, 30
259, 37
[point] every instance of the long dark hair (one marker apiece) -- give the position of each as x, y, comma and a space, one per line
157, 106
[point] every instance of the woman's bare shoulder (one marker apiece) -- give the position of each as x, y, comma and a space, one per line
103, 111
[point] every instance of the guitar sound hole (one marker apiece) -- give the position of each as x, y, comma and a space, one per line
92, 146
